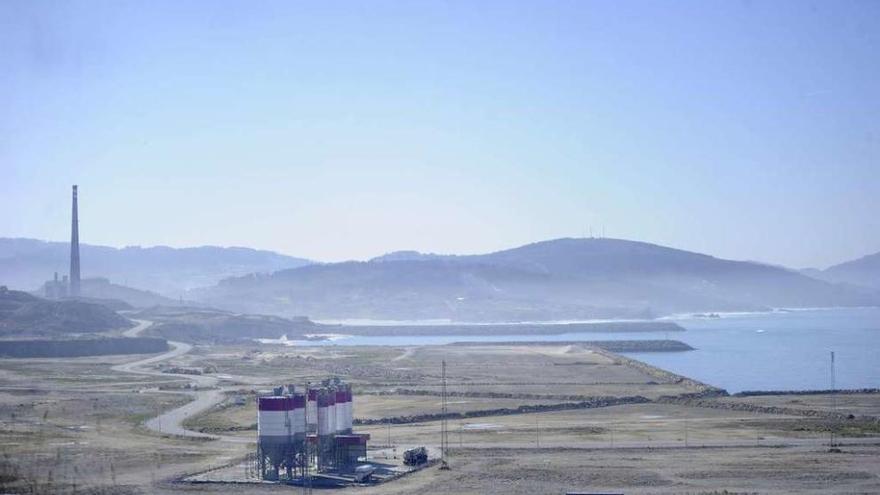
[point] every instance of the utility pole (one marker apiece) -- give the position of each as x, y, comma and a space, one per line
443, 422
833, 400
307, 475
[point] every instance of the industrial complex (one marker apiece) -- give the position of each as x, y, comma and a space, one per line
308, 430
68, 286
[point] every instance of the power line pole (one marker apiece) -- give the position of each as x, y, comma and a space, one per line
833, 400
443, 422
307, 459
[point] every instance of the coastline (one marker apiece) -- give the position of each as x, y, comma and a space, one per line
633, 326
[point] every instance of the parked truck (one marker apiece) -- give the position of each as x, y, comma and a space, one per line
416, 456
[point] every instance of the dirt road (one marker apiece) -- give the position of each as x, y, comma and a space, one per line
205, 393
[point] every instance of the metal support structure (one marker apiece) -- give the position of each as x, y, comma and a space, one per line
833, 400
306, 457
444, 426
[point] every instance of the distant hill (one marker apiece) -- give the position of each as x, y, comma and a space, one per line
27, 263
864, 272
204, 325
558, 279
22, 314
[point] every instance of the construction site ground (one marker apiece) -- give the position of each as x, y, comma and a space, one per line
526, 419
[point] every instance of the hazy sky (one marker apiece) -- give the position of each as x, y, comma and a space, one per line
748, 130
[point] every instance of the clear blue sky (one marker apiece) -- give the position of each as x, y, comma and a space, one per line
336, 130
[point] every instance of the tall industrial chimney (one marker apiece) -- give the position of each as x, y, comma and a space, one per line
74, 250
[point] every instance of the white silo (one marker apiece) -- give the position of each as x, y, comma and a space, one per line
326, 426
312, 411
349, 420
343, 409
275, 430
298, 419
340, 410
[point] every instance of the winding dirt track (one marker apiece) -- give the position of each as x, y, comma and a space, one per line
205, 395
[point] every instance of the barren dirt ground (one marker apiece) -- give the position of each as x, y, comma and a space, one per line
77, 425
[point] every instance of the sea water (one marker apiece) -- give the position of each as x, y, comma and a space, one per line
781, 350
778, 350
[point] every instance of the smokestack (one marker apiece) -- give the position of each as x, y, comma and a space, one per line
74, 250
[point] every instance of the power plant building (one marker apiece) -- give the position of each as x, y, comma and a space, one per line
68, 286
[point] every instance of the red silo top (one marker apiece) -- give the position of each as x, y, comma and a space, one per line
275, 403
350, 440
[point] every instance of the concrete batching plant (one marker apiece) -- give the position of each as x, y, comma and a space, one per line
306, 432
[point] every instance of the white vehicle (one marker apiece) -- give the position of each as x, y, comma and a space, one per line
363, 473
